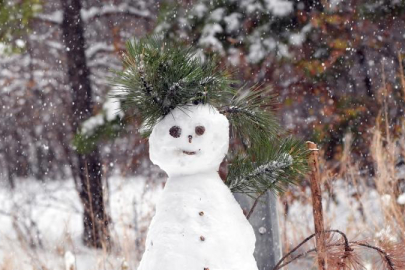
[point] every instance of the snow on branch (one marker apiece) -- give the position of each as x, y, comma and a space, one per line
92, 13
270, 172
96, 12
98, 47
55, 17
272, 168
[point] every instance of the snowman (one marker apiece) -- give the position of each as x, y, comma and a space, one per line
184, 104
198, 224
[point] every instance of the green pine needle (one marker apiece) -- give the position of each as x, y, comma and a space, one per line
251, 116
274, 166
159, 77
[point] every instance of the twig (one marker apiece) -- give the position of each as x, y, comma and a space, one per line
278, 265
297, 257
379, 250
254, 206
346, 244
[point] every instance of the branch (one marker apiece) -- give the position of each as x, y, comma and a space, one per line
254, 206
280, 265
379, 250
346, 244
296, 257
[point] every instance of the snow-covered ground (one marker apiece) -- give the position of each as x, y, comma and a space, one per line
41, 222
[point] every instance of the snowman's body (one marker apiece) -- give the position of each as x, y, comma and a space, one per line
198, 224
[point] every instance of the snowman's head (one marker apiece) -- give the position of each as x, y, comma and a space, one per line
190, 140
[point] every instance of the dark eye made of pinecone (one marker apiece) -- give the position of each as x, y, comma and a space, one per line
199, 130
175, 131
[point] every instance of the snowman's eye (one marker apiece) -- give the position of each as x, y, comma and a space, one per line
199, 130
175, 131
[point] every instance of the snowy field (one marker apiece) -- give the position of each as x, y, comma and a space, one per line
41, 223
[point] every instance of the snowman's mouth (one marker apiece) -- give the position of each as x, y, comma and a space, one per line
190, 153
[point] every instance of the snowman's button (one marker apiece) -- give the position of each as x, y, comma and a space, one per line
202, 238
201, 213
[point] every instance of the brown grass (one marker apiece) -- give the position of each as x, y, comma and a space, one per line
385, 230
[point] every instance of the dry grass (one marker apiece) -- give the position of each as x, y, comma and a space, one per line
372, 212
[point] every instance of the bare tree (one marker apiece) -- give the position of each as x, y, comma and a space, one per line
89, 165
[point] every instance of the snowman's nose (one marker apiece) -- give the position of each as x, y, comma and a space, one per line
190, 138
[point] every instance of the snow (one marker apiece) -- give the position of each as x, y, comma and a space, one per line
54, 206
209, 148
401, 199
234, 56
20, 43
97, 47
54, 17
174, 237
335, 3
41, 224
232, 22
279, 7
217, 15
386, 234
386, 199
91, 124
260, 47
198, 223
251, 6
70, 261
112, 109
91, 13
199, 10
208, 38
256, 52
297, 39
3, 48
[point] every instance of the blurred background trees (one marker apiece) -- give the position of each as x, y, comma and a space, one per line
54, 70
326, 59
36, 96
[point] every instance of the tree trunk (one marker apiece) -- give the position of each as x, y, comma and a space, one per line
96, 233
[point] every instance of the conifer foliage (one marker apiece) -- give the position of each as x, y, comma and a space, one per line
159, 77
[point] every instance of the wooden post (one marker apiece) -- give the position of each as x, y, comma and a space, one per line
317, 205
